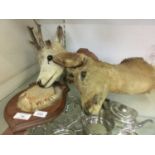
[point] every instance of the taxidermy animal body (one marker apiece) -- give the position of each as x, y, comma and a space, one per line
95, 79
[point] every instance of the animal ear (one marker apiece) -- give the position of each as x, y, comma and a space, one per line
69, 60
59, 38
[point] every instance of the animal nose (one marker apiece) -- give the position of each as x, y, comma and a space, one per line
40, 84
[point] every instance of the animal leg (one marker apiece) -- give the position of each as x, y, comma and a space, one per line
96, 102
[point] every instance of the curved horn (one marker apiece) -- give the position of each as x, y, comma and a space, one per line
39, 33
37, 38
34, 40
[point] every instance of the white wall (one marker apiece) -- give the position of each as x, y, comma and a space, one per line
112, 40
17, 56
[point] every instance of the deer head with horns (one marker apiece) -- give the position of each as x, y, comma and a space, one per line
49, 71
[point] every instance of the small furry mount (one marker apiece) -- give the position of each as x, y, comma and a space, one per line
37, 98
96, 79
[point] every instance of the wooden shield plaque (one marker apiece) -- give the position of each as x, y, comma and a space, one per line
17, 126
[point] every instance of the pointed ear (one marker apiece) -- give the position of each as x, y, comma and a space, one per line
69, 60
59, 38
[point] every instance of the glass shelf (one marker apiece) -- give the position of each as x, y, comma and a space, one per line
69, 121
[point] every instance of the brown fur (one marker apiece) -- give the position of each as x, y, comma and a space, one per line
88, 53
131, 76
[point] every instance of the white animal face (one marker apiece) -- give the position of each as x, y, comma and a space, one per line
49, 71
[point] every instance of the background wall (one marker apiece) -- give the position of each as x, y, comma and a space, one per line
112, 40
17, 56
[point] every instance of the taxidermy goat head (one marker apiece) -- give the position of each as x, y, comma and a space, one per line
49, 71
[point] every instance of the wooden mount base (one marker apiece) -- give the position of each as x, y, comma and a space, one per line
17, 126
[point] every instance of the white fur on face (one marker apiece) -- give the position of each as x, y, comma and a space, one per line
49, 71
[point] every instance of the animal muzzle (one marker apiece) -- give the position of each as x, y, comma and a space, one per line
39, 83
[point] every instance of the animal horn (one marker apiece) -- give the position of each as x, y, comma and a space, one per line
39, 33
34, 40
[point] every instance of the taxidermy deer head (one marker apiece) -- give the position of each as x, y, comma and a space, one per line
49, 71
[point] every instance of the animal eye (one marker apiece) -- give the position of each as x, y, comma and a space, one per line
49, 57
83, 75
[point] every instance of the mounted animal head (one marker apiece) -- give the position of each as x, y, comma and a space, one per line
81, 69
49, 71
